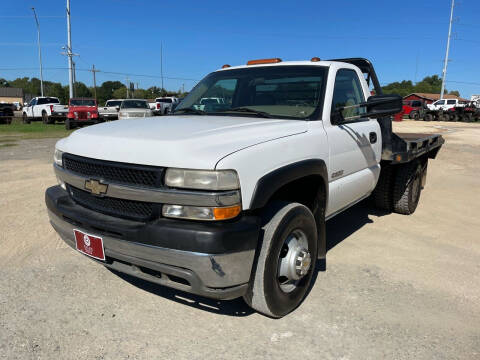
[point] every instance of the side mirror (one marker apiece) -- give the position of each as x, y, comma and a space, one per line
117, 108
383, 105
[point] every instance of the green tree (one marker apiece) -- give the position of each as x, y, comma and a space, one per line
120, 93
455, 92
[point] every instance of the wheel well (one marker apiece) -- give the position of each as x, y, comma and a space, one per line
309, 191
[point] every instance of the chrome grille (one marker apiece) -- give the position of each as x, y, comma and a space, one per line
121, 173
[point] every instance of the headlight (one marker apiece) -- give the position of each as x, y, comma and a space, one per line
202, 179
200, 213
57, 157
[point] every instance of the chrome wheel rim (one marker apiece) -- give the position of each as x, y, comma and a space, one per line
294, 261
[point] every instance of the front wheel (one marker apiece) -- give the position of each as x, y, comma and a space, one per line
45, 118
286, 260
25, 119
428, 117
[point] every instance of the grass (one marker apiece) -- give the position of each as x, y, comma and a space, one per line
17, 130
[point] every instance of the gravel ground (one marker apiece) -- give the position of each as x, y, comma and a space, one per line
397, 287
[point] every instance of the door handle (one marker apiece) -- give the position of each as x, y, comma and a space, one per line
373, 137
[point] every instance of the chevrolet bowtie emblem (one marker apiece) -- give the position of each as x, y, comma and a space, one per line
96, 187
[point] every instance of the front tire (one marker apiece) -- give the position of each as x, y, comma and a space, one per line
25, 119
428, 117
44, 118
286, 260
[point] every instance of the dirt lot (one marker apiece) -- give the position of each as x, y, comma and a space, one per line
396, 286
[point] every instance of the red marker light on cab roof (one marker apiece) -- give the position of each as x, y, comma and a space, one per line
264, 61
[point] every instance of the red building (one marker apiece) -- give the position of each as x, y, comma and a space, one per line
430, 98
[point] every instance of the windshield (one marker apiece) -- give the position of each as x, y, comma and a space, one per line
134, 104
288, 92
82, 102
113, 103
164, 100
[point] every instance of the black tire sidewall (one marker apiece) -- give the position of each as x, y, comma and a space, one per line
279, 302
44, 118
415, 197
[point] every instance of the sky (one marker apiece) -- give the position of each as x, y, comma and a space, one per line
406, 40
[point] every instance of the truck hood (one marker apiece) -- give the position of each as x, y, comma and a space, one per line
176, 141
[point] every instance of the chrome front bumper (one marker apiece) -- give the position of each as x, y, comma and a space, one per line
220, 276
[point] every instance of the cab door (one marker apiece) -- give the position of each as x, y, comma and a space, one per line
30, 108
354, 143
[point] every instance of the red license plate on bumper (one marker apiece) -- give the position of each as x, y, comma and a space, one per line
90, 245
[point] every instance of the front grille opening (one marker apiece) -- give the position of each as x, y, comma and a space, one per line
128, 209
122, 173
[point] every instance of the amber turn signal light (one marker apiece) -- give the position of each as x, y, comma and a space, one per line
315, 59
264, 61
225, 213
225, 66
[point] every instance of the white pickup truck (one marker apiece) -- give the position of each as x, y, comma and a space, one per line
445, 104
110, 110
232, 200
164, 105
46, 108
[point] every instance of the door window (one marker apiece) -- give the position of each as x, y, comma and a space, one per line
347, 92
450, 102
440, 102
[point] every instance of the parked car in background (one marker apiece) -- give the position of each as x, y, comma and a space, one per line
81, 112
210, 101
444, 104
134, 108
45, 108
110, 110
164, 105
414, 109
6, 113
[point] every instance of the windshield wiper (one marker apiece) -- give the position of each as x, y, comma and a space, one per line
248, 110
191, 110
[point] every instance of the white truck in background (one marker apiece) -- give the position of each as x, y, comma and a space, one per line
444, 104
164, 105
45, 108
232, 200
110, 110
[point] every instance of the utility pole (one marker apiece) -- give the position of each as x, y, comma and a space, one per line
69, 51
94, 81
444, 73
161, 65
39, 51
128, 85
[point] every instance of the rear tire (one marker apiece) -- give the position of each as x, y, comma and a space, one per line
288, 246
407, 188
428, 117
416, 116
382, 195
468, 117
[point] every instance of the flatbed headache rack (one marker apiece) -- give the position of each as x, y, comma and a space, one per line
396, 148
